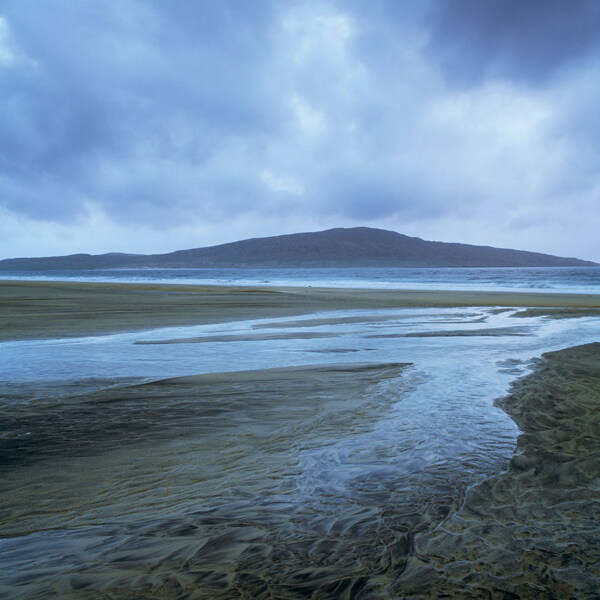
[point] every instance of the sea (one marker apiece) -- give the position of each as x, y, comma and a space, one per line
556, 279
117, 484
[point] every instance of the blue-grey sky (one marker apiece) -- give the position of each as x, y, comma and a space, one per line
150, 126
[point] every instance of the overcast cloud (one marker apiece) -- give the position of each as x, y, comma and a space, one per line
149, 126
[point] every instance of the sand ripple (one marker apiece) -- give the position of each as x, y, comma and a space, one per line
271, 484
532, 532
260, 484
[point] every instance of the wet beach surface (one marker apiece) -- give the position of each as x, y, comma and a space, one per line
265, 484
342, 473
534, 530
57, 309
240, 485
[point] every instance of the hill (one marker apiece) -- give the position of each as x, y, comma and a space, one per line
358, 246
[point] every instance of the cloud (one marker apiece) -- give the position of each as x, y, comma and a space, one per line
221, 117
528, 41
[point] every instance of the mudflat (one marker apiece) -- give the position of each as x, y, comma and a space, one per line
44, 309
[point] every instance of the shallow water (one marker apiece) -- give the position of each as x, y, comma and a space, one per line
555, 279
531, 531
307, 481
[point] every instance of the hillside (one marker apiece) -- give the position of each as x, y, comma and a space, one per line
359, 246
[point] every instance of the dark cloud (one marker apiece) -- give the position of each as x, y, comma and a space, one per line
525, 39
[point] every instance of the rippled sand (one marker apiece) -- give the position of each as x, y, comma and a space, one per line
272, 483
259, 484
534, 531
202, 487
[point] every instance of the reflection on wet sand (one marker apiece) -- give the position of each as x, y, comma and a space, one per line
330, 481
277, 483
213, 487
210, 484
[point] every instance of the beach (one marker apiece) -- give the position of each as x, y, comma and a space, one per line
348, 447
44, 309
532, 531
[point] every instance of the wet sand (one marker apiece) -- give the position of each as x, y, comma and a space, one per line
533, 531
196, 487
37, 310
193, 487
265, 337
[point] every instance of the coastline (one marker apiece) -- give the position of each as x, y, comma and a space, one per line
44, 309
531, 531
527, 532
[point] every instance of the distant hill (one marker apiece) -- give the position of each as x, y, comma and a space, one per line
355, 247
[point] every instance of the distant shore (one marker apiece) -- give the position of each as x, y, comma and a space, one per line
52, 309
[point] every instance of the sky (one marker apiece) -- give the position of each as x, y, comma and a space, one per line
152, 126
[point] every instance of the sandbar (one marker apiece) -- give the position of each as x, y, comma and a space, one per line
52, 309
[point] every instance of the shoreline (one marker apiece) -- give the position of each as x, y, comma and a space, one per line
53, 309
531, 531
528, 532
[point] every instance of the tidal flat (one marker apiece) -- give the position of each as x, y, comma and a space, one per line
341, 444
55, 309
532, 531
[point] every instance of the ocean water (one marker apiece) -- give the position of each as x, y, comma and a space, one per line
557, 279
313, 483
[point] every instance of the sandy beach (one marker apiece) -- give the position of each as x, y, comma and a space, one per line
533, 531
299, 300
33, 309
276, 483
